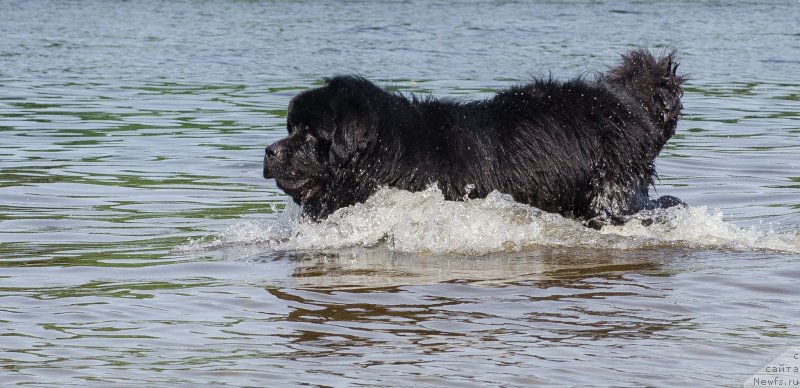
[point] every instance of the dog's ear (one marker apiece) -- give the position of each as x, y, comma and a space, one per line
352, 115
352, 128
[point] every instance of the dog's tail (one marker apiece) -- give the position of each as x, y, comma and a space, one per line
655, 84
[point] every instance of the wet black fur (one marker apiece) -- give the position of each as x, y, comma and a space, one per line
584, 148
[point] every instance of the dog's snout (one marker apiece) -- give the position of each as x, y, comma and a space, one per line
271, 154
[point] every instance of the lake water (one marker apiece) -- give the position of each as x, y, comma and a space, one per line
139, 245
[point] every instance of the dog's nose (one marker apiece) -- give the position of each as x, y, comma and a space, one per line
267, 171
272, 151
271, 154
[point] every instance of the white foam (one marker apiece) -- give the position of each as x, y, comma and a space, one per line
701, 227
424, 223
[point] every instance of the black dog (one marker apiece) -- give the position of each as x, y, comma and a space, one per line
582, 148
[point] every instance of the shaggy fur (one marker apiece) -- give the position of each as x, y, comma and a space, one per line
583, 148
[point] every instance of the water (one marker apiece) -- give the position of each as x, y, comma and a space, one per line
140, 246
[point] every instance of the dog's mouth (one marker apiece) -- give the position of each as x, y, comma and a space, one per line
301, 190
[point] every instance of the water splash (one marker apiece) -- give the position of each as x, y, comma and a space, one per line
425, 223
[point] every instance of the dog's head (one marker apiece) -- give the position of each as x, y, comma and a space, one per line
329, 127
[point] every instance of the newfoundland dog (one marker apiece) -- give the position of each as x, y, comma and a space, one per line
584, 148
